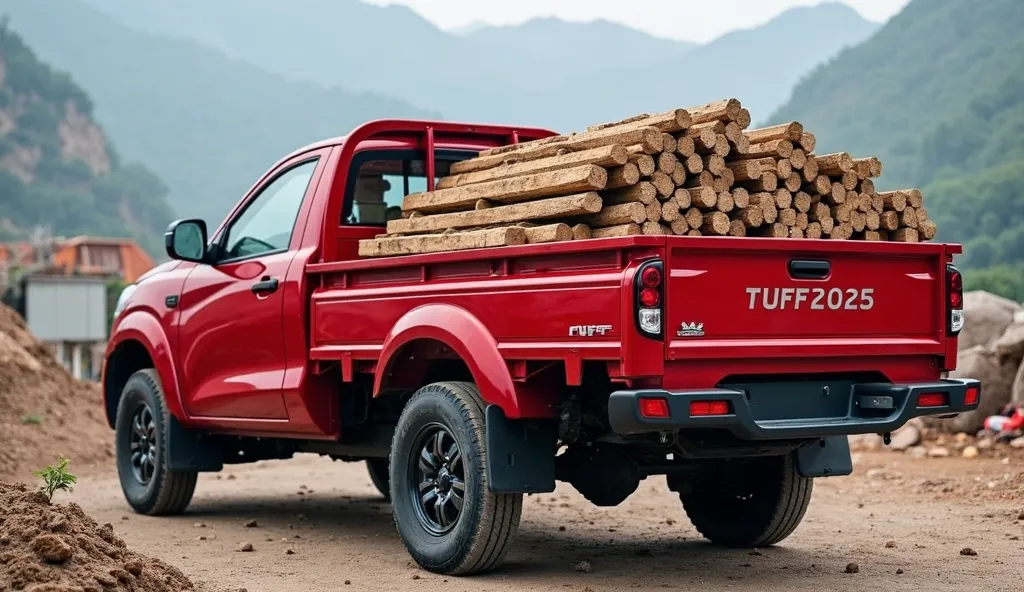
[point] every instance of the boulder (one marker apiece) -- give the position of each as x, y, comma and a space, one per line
1010, 345
996, 383
987, 318
1017, 392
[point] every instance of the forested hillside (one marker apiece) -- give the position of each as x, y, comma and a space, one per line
938, 94
57, 169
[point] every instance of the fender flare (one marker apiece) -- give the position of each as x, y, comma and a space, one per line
467, 337
144, 328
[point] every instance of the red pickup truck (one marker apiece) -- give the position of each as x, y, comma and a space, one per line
736, 367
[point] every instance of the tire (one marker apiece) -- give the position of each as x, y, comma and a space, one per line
148, 486
380, 475
475, 538
749, 504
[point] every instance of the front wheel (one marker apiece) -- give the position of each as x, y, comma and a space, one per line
140, 441
752, 503
447, 518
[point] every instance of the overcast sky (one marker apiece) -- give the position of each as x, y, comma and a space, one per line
690, 20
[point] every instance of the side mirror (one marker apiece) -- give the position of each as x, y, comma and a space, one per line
186, 240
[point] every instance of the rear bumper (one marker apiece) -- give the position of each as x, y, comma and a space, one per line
874, 408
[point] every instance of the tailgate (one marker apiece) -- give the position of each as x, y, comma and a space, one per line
775, 298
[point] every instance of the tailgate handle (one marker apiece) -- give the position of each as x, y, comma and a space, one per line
805, 269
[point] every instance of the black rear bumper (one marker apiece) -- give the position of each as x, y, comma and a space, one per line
872, 408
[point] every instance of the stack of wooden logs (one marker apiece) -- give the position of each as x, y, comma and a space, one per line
694, 172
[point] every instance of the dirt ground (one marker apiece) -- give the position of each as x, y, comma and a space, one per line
320, 525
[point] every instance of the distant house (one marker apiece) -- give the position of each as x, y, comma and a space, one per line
90, 255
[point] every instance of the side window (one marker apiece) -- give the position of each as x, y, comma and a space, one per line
382, 183
266, 223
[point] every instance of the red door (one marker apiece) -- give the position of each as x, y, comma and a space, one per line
231, 326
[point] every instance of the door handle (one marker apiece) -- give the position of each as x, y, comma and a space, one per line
266, 285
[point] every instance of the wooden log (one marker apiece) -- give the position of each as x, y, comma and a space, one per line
679, 226
511, 190
623, 176
618, 214
649, 137
787, 131
694, 164
663, 183
721, 183
914, 198
741, 146
654, 211
922, 215
685, 146
810, 170
869, 235
874, 222
808, 142
667, 162
669, 209
877, 204
752, 216
544, 209
643, 192
580, 232
821, 185
604, 156
842, 212
549, 233
679, 175
654, 228
905, 235
773, 149
837, 195
722, 146
866, 186
850, 180
715, 223
725, 202
694, 232
641, 149
858, 220
733, 132
867, 168
927, 230
834, 165
743, 119
908, 218
714, 163
768, 182
703, 197
796, 232
745, 170
613, 231
774, 230
827, 225
703, 140
741, 197
694, 217
842, 231
894, 200
645, 163
783, 198
728, 178
737, 228
813, 230
668, 143
783, 169
724, 110
798, 159
669, 121
765, 201
889, 220
819, 212
682, 198
802, 201
434, 243
793, 182
787, 216
863, 202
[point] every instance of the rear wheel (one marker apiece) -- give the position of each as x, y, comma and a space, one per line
140, 442
447, 518
755, 503
379, 474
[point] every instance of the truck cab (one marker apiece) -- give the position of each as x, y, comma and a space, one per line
734, 367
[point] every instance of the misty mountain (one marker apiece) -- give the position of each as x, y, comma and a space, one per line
207, 124
544, 72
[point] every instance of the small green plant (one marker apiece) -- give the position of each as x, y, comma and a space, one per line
32, 419
56, 478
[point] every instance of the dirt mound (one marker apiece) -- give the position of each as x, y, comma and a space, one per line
49, 547
44, 412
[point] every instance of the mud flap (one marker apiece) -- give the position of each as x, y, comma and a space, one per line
828, 457
189, 450
520, 453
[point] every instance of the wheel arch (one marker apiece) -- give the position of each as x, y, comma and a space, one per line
139, 343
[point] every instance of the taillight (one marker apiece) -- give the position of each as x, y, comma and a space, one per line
654, 407
649, 293
932, 400
954, 300
708, 408
971, 396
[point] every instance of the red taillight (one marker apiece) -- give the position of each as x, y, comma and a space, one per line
651, 277
657, 408
932, 400
705, 408
971, 396
956, 289
649, 297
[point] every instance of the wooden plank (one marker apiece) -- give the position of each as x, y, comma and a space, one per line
615, 215
835, 164
612, 231
673, 120
544, 209
511, 190
604, 156
623, 176
434, 243
724, 110
643, 192
648, 137
792, 131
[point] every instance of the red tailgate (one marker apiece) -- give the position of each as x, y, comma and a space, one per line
775, 298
